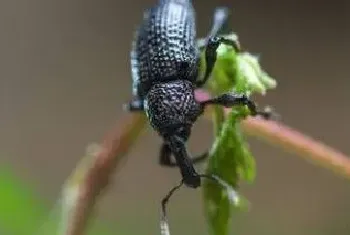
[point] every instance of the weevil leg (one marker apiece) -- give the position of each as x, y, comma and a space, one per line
134, 106
211, 55
231, 99
219, 20
200, 158
165, 157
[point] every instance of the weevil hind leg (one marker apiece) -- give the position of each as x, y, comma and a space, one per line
165, 157
221, 15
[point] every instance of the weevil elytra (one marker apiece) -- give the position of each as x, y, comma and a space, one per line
165, 62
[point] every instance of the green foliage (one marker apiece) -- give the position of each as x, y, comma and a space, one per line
230, 157
23, 212
20, 209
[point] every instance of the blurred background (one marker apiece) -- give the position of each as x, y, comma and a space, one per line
65, 73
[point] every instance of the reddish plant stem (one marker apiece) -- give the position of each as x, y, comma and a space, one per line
304, 146
96, 175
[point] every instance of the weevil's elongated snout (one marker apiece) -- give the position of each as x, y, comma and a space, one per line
193, 181
183, 159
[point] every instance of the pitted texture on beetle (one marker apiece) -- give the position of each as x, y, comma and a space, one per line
164, 47
171, 104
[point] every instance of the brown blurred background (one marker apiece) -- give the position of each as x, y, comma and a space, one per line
64, 75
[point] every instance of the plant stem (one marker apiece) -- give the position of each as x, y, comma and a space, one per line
304, 146
92, 174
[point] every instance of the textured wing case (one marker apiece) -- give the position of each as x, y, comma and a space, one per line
164, 47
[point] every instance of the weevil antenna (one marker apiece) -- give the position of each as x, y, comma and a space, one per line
164, 225
232, 194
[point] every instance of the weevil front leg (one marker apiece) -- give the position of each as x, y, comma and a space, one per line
165, 157
231, 99
211, 55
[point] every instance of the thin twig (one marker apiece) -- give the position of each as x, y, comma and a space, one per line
304, 146
92, 175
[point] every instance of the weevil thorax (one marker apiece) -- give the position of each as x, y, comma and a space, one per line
172, 109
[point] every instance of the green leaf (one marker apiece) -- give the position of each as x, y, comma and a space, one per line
239, 72
20, 211
230, 158
24, 212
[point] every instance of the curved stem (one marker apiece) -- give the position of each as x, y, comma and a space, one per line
92, 174
282, 136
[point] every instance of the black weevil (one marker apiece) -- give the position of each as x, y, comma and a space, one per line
165, 61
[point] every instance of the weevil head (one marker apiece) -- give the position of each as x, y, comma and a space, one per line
172, 109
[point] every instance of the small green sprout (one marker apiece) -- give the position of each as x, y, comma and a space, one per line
230, 157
